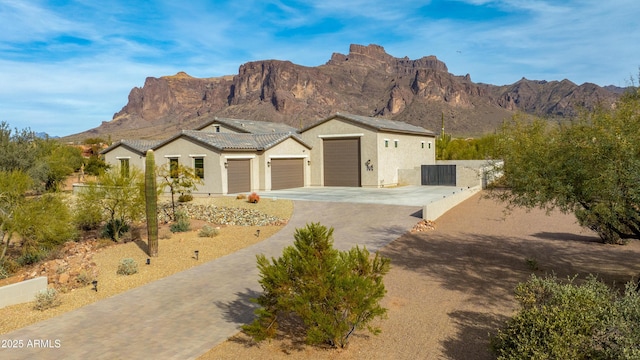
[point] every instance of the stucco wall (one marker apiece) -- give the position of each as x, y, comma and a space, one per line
121, 152
470, 173
408, 155
186, 151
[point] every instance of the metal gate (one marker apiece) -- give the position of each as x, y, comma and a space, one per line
438, 175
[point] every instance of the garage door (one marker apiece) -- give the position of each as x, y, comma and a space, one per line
341, 162
238, 175
287, 173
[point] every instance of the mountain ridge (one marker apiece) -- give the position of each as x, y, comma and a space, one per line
366, 81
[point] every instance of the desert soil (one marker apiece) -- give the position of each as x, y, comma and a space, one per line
449, 289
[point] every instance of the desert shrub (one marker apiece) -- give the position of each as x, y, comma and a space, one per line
562, 320
47, 299
31, 255
241, 196
254, 198
127, 266
208, 231
43, 222
88, 215
114, 229
85, 278
332, 292
185, 198
4, 273
182, 223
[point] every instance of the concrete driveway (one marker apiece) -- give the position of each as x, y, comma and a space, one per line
404, 196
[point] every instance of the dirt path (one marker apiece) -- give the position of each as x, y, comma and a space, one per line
452, 287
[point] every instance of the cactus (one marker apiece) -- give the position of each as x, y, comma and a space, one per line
151, 199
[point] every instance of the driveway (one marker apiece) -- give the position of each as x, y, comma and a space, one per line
184, 315
404, 195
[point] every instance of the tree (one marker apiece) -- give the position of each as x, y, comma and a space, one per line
120, 197
13, 186
179, 179
151, 202
589, 167
333, 293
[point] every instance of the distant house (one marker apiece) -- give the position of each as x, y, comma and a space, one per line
236, 155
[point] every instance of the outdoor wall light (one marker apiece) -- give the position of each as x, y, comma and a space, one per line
268, 163
95, 285
196, 253
226, 165
308, 162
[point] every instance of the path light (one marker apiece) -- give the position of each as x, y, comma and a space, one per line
95, 285
148, 261
258, 232
195, 253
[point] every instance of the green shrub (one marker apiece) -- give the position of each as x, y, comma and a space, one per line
182, 223
185, 198
111, 228
47, 299
208, 231
332, 292
127, 266
560, 320
31, 255
44, 222
4, 273
88, 215
85, 278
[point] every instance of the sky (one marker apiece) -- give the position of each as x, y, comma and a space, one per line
66, 66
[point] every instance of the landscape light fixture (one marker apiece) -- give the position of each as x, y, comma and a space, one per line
95, 285
195, 253
258, 232
148, 261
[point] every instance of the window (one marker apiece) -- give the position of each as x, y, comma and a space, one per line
198, 166
217, 127
124, 167
173, 167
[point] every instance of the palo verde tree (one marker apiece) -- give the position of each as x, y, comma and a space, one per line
332, 292
590, 167
179, 179
120, 195
151, 202
13, 187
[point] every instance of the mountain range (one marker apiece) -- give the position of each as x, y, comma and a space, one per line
367, 81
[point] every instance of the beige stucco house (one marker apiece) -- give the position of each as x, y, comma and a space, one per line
236, 155
352, 150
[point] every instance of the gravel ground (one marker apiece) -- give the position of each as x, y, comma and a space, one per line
176, 253
450, 288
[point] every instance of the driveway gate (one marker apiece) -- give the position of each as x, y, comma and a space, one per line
443, 175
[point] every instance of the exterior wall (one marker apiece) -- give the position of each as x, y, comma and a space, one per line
223, 128
338, 128
471, 173
286, 149
135, 160
186, 150
408, 154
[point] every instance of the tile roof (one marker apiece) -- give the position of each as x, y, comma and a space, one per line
379, 124
139, 146
251, 126
243, 141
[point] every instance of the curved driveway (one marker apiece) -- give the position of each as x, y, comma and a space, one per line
184, 315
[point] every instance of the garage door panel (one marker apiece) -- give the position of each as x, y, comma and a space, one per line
238, 175
341, 162
287, 173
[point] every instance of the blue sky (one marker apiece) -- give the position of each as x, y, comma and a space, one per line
66, 66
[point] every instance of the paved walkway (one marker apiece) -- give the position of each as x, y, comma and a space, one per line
186, 314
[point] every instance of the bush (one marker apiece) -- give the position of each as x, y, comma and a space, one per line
567, 321
47, 299
241, 196
208, 231
43, 222
85, 278
185, 198
333, 293
31, 255
254, 198
127, 266
113, 227
182, 223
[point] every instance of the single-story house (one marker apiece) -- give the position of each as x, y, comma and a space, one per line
235, 155
352, 150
